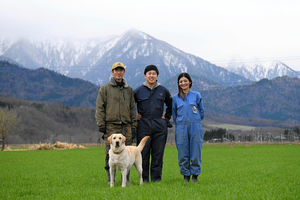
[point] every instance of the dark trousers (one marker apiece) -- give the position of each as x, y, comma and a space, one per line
157, 130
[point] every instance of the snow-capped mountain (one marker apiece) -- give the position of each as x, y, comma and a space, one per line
55, 53
258, 70
92, 59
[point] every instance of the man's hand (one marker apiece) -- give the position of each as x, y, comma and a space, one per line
138, 117
102, 130
169, 125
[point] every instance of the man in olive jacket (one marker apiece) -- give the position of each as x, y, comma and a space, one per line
115, 110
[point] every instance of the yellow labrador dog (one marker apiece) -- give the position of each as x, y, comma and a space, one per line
122, 157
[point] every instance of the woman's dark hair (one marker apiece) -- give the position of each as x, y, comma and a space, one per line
186, 75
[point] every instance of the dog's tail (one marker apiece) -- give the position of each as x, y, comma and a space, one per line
142, 143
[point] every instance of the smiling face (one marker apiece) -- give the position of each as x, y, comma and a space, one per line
151, 77
118, 73
184, 84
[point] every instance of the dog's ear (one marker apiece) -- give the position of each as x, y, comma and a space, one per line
124, 138
109, 139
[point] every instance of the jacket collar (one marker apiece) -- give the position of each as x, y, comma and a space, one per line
155, 86
112, 81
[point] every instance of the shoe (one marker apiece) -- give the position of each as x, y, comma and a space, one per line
186, 179
156, 181
145, 180
195, 178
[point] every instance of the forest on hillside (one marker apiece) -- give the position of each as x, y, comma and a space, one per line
48, 123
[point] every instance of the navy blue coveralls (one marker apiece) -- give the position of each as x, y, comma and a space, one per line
150, 104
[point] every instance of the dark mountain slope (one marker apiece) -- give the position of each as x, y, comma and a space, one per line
45, 85
276, 99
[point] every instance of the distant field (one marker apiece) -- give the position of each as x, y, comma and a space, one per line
232, 127
228, 172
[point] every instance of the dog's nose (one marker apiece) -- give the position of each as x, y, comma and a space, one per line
117, 143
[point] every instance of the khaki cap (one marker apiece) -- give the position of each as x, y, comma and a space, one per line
118, 64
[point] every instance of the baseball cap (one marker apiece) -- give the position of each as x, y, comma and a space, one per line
118, 64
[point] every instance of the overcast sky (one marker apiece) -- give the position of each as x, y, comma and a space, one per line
215, 30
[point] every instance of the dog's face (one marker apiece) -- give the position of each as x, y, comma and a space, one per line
116, 140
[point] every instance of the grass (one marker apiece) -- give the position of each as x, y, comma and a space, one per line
228, 172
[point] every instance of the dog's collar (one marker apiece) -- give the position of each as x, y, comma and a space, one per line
118, 152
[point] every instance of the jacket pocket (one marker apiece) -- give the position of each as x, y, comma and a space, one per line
143, 103
194, 112
160, 103
197, 132
180, 113
180, 135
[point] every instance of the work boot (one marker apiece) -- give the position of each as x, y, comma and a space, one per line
186, 179
195, 178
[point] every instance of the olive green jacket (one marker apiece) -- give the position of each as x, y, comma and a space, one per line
115, 104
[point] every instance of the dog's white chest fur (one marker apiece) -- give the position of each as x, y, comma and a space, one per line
119, 161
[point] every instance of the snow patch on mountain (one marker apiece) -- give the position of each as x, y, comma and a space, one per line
89, 58
261, 69
133, 54
5, 44
129, 44
192, 59
144, 48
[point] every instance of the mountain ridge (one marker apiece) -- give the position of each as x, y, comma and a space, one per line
134, 48
276, 99
46, 86
91, 59
258, 70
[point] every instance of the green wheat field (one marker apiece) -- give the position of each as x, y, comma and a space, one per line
228, 172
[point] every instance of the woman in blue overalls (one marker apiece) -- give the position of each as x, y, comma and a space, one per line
188, 111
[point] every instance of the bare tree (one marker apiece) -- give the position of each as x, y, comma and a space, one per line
8, 121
